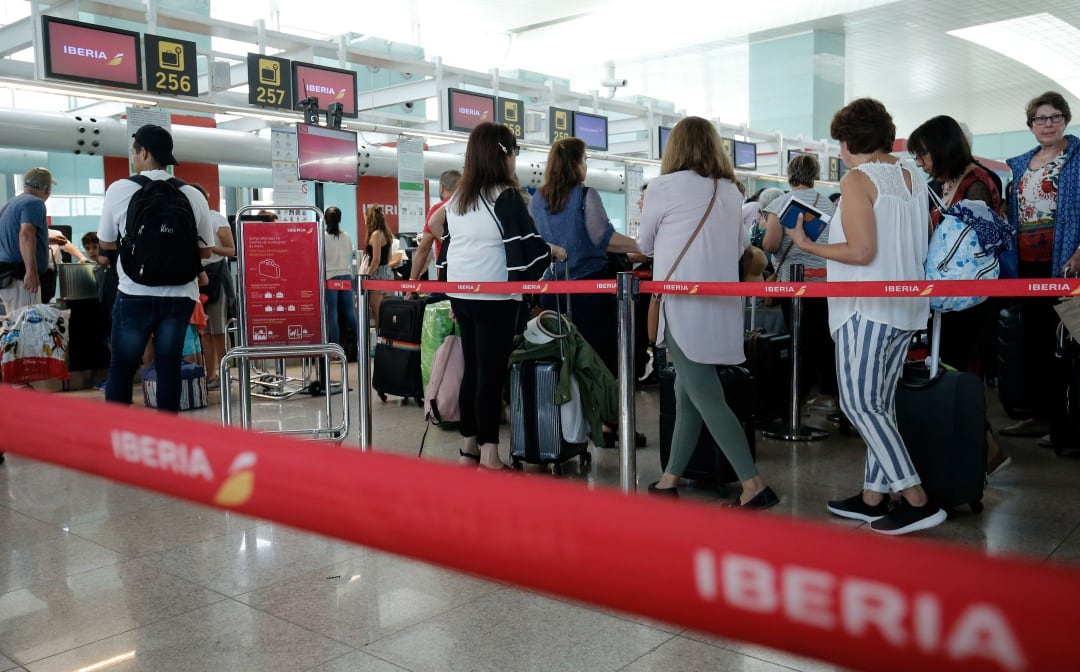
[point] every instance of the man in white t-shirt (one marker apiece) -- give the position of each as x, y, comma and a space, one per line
142, 310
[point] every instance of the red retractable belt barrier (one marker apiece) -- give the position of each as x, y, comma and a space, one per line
816, 590
897, 289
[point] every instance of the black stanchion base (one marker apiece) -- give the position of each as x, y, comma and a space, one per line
801, 433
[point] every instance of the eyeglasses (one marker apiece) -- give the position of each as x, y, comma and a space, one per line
515, 150
1052, 119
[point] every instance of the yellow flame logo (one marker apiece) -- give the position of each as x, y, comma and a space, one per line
928, 291
544, 288
118, 59
693, 290
341, 95
476, 290
801, 291
418, 286
1075, 292
240, 485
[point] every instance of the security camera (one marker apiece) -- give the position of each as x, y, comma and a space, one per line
614, 83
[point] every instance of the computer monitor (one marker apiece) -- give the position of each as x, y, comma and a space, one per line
745, 155
593, 129
665, 131
468, 110
326, 154
328, 85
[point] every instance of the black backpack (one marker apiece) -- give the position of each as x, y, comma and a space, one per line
161, 241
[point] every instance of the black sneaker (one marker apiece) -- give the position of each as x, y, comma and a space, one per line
856, 509
905, 518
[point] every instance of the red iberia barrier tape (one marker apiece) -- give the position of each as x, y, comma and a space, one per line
816, 590
1050, 287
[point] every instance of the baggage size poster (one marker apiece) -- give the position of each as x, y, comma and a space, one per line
283, 283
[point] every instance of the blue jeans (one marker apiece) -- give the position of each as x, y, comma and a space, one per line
134, 320
341, 302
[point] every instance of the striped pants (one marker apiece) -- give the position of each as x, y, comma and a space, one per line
869, 362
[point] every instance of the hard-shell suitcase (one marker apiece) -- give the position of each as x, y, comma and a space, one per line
396, 369
1010, 366
942, 419
768, 359
536, 432
708, 463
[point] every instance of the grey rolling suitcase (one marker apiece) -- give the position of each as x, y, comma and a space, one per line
536, 434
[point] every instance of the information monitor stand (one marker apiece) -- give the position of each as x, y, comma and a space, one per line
281, 315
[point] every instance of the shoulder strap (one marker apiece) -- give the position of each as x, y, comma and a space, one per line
176, 182
140, 180
712, 202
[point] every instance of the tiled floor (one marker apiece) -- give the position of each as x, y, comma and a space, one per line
100, 576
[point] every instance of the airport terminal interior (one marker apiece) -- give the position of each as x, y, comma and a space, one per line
100, 576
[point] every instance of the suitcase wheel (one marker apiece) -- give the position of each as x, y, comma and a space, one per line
382, 397
419, 401
1, 458
585, 458
976, 507
556, 469
516, 464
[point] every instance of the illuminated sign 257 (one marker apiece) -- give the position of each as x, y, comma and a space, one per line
270, 82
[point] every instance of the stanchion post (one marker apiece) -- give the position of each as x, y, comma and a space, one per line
795, 430
363, 364
625, 295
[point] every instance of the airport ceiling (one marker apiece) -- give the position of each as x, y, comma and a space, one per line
696, 54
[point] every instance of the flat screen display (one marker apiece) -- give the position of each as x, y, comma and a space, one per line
326, 154
792, 153
664, 133
592, 128
745, 155
84, 52
468, 110
329, 85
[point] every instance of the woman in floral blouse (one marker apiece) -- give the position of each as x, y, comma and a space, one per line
1044, 207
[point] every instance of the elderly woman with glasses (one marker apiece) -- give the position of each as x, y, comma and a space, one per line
1044, 208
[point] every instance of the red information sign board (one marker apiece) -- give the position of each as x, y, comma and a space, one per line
282, 282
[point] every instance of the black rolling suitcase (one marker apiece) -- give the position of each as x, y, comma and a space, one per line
396, 369
708, 464
1010, 364
1065, 415
768, 359
942, 418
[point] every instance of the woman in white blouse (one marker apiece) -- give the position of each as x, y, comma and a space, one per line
880, 232
697, 186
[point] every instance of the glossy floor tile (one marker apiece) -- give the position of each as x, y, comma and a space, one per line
96, 575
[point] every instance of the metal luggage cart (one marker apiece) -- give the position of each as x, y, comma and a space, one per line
280, 289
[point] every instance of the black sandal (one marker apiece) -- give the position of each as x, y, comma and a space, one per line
471, 456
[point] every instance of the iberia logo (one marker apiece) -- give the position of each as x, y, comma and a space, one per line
476, 289
118, 59
928, 291
544, 288
1075, 292
418, 286
341, 94
801, 291
240, 484
693, 290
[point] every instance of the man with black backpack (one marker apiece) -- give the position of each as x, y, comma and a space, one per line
156, 231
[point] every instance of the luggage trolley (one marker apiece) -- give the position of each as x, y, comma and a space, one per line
282, 316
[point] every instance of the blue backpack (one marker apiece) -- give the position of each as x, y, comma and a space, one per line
965, 246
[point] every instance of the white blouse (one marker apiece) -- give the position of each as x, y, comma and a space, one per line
902, 219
